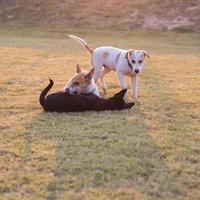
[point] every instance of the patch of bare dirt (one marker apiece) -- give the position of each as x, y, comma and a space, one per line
103, 14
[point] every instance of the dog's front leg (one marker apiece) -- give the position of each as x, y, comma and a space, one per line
122, 83
134, 84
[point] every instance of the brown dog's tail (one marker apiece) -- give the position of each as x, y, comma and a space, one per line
82, 42
44, 93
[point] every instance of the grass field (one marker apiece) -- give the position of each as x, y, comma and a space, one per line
149, 152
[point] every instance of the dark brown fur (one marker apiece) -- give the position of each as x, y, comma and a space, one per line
65, 102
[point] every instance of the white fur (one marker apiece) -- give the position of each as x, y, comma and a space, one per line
98, 60
92, 88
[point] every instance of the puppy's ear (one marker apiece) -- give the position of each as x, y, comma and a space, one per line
78, 68
130, 105
119, 95
90, 74
146, 54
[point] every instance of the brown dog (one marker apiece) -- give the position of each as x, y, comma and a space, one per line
66, 102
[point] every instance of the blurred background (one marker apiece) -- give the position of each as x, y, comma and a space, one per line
175, 15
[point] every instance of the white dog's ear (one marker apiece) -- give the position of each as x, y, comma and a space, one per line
129, 52
78, 68
146, 54
90, 74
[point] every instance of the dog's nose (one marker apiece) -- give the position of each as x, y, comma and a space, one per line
67, 90
137, 71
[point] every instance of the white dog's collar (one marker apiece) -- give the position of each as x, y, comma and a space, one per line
129, 63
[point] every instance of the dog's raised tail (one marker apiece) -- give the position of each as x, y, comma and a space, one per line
44, 93
82, 42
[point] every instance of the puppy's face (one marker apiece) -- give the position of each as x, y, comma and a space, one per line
81, 82
137, 59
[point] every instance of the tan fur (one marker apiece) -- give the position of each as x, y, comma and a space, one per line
89, 75
82, 77
82, 82
78, 68
105, 55
117, 57
146, 54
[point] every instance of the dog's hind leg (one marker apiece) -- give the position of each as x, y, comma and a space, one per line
97, 65
103, 84
97, 72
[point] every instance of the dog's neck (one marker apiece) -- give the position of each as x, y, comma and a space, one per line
129, 64
93, 89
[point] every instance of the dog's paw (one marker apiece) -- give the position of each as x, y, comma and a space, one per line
126, 98
136, 99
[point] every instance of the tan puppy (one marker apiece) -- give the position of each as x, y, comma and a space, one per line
82, 83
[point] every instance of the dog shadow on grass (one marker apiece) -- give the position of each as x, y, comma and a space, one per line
110, 149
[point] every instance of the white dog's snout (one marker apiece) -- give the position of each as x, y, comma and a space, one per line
137, 71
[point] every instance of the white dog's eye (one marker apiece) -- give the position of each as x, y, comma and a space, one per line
133, 61
140, 61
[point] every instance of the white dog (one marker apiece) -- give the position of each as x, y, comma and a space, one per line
124, 62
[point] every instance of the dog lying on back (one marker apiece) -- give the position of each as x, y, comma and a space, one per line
66, 102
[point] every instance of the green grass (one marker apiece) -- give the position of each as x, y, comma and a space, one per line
149, 152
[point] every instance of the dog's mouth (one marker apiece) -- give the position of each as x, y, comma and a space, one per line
67, 90
70, 92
